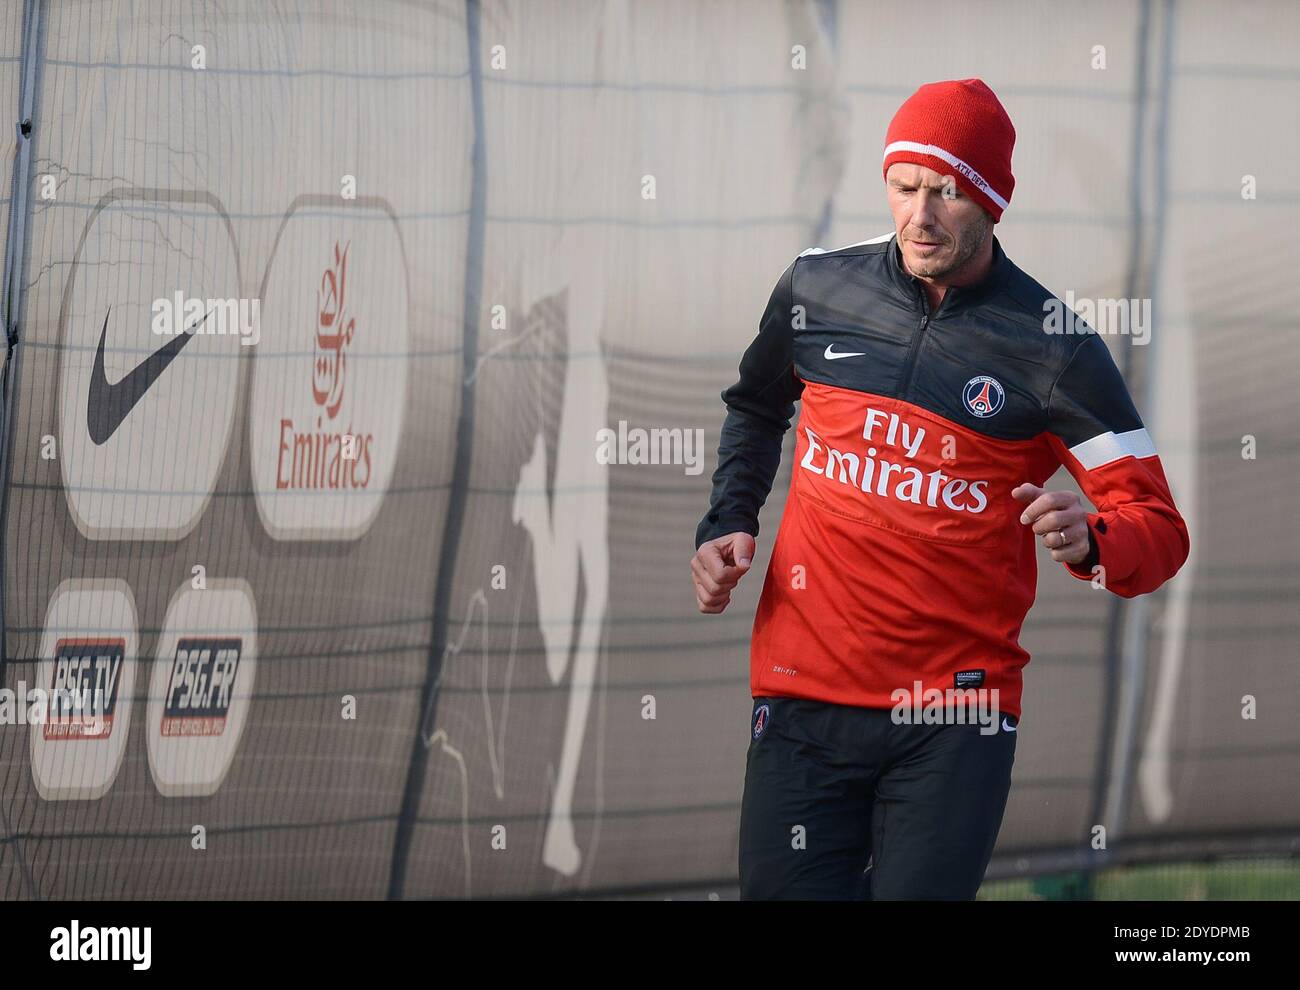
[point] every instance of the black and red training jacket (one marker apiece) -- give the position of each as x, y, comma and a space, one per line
901, 557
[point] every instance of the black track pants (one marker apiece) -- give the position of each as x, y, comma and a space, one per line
842, 802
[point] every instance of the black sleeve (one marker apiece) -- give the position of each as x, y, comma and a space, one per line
760, 406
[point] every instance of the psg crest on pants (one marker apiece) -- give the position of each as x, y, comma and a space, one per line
760, 720
983, 396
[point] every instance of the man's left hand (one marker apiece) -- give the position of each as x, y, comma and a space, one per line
1059, 518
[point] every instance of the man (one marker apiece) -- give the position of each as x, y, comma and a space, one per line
938, 397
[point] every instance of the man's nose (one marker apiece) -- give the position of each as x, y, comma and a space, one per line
922, 210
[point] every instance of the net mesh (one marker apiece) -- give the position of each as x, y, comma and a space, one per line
481, 672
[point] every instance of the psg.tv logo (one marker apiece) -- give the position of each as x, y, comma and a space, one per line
86, 675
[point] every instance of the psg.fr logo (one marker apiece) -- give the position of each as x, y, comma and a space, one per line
983, 396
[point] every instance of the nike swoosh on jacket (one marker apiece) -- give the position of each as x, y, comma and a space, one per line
900, 555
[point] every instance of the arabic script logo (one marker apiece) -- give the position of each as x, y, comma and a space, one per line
335, 326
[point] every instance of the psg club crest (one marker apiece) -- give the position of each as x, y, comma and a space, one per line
760, 719
983, 396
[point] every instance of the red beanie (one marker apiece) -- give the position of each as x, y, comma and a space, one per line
957, 128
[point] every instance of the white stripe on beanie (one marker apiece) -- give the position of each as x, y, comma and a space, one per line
935, 151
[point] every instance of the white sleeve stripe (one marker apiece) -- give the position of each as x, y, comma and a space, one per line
1107, 447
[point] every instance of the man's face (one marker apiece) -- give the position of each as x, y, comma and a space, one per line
938, 231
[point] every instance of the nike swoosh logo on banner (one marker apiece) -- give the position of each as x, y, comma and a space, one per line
833, 355
1007, 728
109, 404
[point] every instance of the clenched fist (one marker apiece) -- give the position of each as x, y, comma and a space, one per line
1059, 518
718, 566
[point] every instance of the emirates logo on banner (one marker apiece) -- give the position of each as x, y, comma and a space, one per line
330, 371
326, 458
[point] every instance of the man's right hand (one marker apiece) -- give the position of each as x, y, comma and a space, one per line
717, 567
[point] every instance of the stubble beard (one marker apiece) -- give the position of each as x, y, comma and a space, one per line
968, 243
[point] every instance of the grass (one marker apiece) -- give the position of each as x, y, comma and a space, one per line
1222, 880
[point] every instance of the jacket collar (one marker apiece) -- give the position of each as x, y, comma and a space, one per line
958, 296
